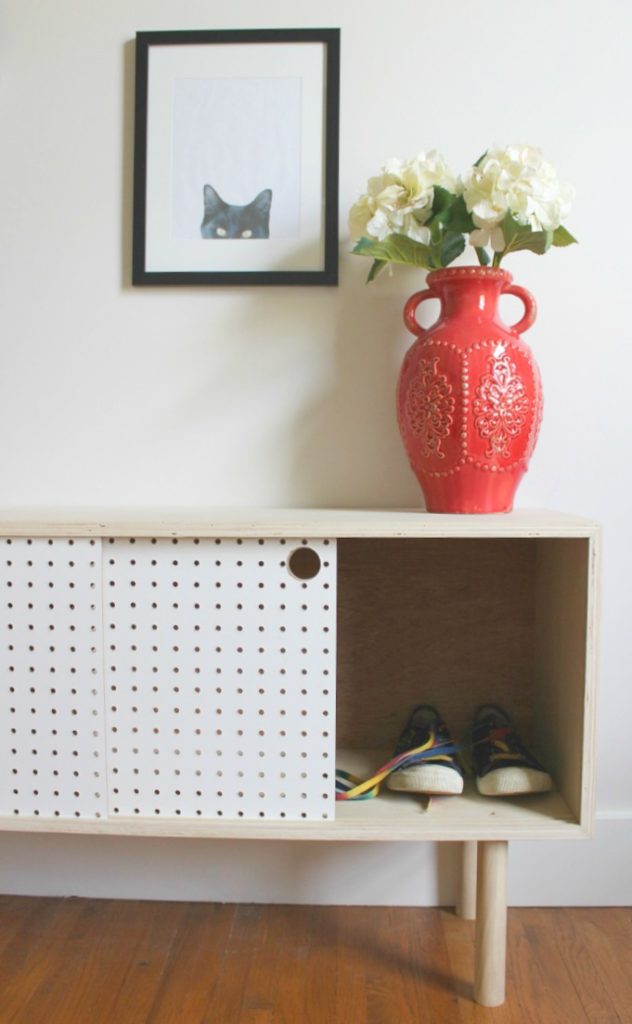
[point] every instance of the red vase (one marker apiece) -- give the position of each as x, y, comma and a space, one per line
469, 397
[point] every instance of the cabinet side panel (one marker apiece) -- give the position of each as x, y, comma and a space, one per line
564, 681
52, 763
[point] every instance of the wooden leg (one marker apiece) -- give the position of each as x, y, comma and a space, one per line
491, 924
466, 903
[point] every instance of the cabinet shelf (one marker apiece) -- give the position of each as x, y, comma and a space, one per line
468, 816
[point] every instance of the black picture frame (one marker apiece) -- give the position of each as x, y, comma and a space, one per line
288, 260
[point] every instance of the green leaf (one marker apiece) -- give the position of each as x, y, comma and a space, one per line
535, 241
376, 267
457, 217
511, 228
452, 246
543, 243
395, 249
441, 202
483, 256
481, 158
364, 245
436, 231
563, 237
519, 237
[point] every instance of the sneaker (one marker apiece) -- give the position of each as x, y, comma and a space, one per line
504, 766
433, 770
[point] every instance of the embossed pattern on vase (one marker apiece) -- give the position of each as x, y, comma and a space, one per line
431, 406
501, 406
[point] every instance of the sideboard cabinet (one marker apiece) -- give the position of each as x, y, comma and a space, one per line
204, 674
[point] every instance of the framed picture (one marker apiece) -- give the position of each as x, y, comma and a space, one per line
236, 157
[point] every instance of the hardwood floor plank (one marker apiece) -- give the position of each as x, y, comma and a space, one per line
96, 957
30, 961
281, 950
14, 912
426, 976
585, 968
140, 982
597, 947
410, 933
320, 989
25, 928
546, 990
224, 996
387, 1001
354, 925
290, 997
195, 963
458, 935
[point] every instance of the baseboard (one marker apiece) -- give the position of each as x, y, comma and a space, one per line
584, 873
591, 873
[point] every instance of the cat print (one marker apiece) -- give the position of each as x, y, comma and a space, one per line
223, 220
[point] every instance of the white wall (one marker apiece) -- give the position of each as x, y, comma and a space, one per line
117, 396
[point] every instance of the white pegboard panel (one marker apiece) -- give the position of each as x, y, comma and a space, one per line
220, 677
52, 757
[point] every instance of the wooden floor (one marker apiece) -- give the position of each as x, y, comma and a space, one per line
96, 961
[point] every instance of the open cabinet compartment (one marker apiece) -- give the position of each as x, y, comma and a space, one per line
457, 622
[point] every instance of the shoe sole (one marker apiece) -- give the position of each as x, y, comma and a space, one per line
434, 780
513, 782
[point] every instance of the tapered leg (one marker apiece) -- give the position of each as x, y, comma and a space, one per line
466, 902
491, 923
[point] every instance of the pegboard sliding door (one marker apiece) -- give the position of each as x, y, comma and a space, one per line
52, 725
209, 681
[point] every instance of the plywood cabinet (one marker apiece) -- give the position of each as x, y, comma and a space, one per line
203, 675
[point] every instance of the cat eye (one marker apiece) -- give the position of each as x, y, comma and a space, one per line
221, 232
247, 233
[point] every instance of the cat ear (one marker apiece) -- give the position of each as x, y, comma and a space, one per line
263, 201
212, 200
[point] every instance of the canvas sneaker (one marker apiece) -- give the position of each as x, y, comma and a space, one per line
504, 766
434, 769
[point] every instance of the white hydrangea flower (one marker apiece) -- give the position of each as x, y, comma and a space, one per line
518, 179
399, 199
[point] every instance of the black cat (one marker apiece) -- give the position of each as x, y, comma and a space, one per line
222, 220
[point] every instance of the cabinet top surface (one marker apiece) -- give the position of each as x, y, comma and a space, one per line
286, 522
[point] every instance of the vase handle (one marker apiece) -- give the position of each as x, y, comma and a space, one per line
410, 310
530, 307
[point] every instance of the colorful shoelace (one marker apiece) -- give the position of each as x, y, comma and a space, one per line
503, 751
350, 787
